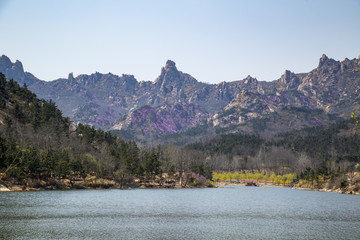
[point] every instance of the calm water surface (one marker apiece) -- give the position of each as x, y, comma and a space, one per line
222, 213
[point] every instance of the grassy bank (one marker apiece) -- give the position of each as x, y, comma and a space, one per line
348, 183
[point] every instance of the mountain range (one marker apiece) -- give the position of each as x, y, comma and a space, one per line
176, 103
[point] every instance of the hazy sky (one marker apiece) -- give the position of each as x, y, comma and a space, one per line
214, 41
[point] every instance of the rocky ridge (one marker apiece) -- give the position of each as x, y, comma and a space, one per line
116, 102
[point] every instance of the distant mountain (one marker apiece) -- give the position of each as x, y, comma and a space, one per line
329, 91
118, 102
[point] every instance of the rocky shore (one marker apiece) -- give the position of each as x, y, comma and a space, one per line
88, 183
55, 184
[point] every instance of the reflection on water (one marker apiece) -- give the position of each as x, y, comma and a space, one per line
223, 213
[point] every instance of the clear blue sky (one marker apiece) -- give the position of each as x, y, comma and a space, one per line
214, 41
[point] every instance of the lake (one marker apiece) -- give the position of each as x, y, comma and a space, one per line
209, 213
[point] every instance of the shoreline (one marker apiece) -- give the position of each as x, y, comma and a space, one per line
106, 184
341, 191
89, 184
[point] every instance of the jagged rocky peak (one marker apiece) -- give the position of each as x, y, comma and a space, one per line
129, 78
327, 66
5, 62
289, 80
71, 79
325, 61
250, 80
351, 65
129, 82
18, 65
286, 76
12, 70
169, 78
71, 76
89, 80
170, 65
19, 70
169, 70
